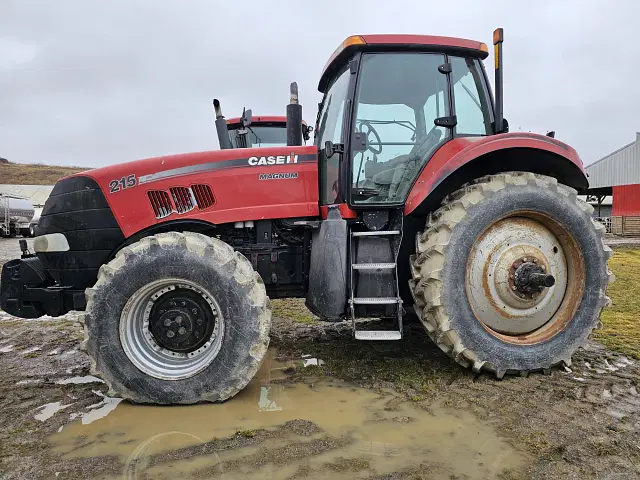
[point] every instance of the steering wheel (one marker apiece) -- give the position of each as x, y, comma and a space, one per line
367, 129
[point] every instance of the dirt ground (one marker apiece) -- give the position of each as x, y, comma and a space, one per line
322, 406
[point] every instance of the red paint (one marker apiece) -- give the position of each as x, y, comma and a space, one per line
452, 155
343, 208
261, 119
427, 40
626, 200
239, 193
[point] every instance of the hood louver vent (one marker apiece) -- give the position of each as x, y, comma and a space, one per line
203, 195
160, 203
182, 199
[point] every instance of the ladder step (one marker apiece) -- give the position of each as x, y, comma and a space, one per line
373, 266
374, 234
376, 300
378, 335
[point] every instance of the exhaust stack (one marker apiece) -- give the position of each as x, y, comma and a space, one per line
498, 38
294, 118
221, 127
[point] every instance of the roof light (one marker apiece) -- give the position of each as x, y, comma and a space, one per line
349, 41
352, 40
484, 48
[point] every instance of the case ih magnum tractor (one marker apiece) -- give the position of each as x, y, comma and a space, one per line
414, 194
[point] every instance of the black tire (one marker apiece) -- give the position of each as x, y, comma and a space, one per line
25, 232
444, 294
208, 263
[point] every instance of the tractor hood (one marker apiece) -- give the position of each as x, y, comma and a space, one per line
219, 186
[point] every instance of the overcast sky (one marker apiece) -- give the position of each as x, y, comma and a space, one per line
93, 83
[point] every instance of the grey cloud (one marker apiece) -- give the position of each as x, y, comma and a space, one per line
95, 83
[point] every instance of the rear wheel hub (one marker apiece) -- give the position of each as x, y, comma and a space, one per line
516, 276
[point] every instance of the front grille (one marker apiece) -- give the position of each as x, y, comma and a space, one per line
160, 203
182, 199
203, 195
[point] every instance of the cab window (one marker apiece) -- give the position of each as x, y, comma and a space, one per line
472, 110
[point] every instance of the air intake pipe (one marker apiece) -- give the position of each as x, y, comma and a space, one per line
221, 127
294, 118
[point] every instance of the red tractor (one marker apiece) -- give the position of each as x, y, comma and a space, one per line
248, 131
413, 194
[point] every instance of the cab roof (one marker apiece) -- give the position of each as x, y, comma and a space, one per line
262, 119
399, 42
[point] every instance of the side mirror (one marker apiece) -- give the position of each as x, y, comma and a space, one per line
306, 132
329, 151
247, 118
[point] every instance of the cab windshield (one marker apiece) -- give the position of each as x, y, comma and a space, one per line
399, 96
274, 135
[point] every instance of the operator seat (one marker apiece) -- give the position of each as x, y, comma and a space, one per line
399, 171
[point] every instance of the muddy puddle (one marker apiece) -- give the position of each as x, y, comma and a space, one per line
292, 430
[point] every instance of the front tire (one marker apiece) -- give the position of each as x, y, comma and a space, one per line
466, 270
177, 318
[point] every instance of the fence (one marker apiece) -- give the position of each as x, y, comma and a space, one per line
627, 226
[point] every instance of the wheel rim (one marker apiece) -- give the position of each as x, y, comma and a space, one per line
498, 278
171, 329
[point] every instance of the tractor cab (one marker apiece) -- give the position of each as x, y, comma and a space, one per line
390, 102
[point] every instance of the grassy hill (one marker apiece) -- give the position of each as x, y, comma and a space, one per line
34, 174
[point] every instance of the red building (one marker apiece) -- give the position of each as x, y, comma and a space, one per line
618, 174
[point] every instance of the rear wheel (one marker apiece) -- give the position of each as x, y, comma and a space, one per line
511, 274
177, 318
25, 232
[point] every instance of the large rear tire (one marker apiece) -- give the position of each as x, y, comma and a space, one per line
177, 318
466, 279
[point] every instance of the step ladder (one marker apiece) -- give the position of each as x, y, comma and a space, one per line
395, 238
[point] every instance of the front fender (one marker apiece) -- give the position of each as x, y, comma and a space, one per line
461, 151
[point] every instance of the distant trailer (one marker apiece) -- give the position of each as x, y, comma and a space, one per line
16, 214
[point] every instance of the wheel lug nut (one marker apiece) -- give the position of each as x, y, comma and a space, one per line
197, 334
182, 330
183, 303
199, 321
170, 334
167, 322
194, 310
179, 319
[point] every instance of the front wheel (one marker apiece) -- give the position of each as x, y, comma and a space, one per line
177, 318
511, 274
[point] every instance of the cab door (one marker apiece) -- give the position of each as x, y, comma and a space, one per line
330, 127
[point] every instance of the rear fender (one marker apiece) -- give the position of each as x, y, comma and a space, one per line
466, 158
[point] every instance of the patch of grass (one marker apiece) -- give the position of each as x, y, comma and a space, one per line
34, 174
294, 309
621, 321
537, 441
247, 433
